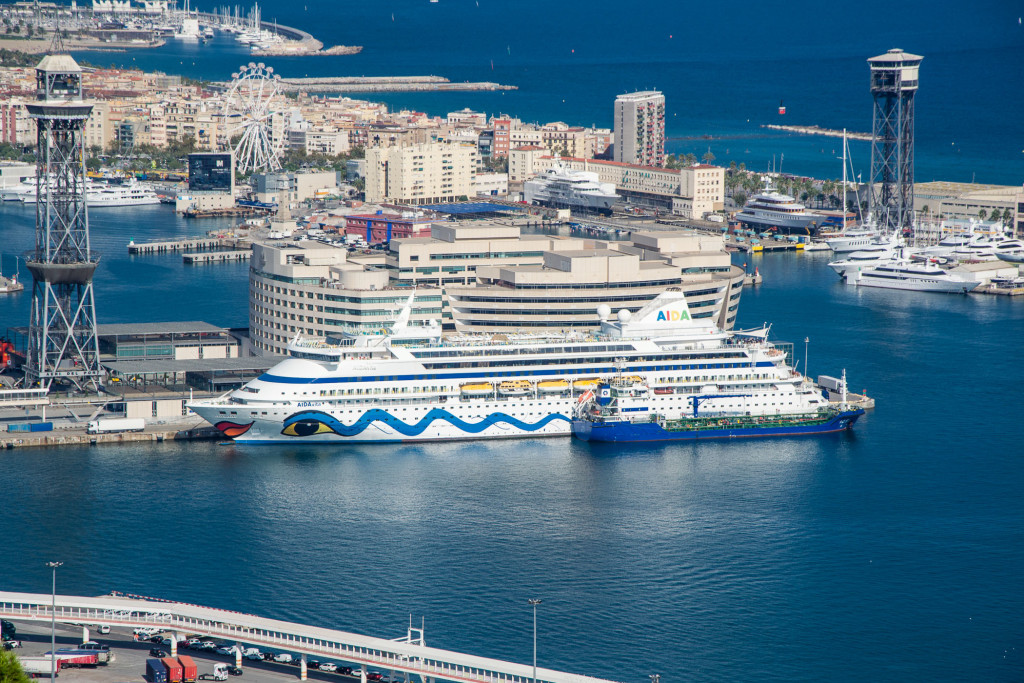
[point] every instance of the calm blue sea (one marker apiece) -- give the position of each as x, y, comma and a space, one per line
892, 553
724, 68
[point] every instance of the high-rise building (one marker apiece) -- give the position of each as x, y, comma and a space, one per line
640, 128
894, 79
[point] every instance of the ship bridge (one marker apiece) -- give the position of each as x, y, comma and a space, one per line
409, 656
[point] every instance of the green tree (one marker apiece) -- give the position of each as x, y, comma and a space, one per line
995, 215
740, 198
982, 214
708, 157
10, 668
93, 163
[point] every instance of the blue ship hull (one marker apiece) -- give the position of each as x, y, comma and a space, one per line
621, 431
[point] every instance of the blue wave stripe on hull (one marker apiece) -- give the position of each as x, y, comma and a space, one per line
377, 415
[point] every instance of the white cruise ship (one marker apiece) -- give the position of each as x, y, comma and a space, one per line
414, 385
774, 210
563, 188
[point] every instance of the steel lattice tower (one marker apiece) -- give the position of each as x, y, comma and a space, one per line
62, 344
893, 84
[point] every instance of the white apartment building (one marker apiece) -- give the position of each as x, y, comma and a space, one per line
429, 173
640, 128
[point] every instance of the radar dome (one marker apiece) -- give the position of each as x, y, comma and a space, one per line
603, 311
624, 315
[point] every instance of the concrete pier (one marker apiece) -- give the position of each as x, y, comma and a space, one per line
216, 257
201, 243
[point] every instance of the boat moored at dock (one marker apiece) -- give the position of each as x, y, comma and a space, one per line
413, 384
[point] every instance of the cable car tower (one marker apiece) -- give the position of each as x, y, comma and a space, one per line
62, 344
893, 85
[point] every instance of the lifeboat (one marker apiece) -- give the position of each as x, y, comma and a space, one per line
477, 389
664, 390
590, 383
627, 380
515, 387
552, 386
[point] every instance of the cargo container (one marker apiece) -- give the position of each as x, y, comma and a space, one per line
76, 657
174, 669
189, 672
30, 427
110, 425
39, 666
156, 672
103, 655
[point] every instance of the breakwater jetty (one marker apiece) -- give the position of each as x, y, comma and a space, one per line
352, 84
194, 244
818, 130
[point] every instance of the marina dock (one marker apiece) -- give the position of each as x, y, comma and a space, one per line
191, 244
195, 258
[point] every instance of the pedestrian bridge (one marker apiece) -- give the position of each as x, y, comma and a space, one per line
408, 656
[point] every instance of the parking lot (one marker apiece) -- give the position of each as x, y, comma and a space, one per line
129, 662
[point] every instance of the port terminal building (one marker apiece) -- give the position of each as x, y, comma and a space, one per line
480, 277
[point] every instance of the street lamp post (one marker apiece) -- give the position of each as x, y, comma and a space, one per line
53, 621
534, 602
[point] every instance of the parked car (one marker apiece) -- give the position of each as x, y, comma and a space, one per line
103, 629
7, 628
253, 653
229, 650
209, 645
374, 676
268, 656
11, 644
158, 653
283, 658
192, 643
313, 663
156, 639
345, 671
235, 670
328, 666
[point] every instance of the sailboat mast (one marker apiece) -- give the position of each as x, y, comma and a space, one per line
844, 180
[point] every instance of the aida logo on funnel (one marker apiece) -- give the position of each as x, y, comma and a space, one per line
673, 316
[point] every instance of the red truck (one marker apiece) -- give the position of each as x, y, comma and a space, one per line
189, 671
174, 670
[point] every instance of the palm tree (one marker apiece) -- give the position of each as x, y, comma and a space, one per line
982, 213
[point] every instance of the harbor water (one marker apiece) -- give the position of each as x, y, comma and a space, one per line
890, 553
724, 69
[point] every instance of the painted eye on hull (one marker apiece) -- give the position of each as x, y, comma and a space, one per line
307, 428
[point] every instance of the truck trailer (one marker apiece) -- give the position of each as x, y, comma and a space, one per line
189, 671
174, 669
113, 425
156, 672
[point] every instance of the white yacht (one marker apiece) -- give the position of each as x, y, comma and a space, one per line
561, 187
902, 273
868, 257
107, 194
773, 210
853, 239
987, 249
415, 385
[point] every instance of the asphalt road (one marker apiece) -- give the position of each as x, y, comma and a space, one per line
129, 665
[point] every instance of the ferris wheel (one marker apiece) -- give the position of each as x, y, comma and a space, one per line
249, 110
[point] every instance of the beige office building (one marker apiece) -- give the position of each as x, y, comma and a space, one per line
430, 173
482, 278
